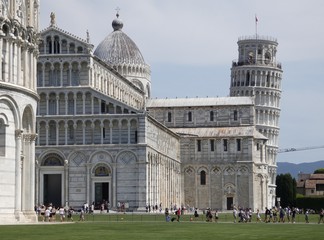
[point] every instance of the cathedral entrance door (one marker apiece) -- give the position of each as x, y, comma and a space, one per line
101, 193
229, 203
53, 189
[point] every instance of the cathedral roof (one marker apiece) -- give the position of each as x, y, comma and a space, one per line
117, 48
199, 102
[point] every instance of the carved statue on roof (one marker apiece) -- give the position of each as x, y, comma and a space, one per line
53, 23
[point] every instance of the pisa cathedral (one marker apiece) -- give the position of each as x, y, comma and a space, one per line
102, 138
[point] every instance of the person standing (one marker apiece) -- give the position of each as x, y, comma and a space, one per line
293, 215
62, 213
234, 214
196, 213
258, 217
306, 216
178, 213
216, 216
81, 215
321, 216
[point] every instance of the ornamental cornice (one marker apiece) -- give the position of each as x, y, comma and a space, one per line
17, 88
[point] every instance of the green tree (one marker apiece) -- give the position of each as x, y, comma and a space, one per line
318, 171
286, 190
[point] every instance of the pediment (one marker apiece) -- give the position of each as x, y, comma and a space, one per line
65, 35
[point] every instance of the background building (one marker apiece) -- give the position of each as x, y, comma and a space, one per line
18, 103
102, 139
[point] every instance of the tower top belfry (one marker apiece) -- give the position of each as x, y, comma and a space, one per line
257, 50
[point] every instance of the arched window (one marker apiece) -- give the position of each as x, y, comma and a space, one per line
102, 171
53, 160
75, 77
2, 138
52, 105
202, 178
56, 45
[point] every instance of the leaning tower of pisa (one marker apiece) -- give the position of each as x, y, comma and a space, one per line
257, 73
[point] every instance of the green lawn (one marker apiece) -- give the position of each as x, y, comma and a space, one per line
153, 227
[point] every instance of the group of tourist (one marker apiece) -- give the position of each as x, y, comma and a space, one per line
274, 215
48, 213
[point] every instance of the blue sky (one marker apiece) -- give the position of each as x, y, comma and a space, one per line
190, 45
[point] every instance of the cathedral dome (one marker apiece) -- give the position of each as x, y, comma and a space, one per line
118, 49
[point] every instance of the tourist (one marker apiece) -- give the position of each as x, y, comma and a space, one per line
81, 215
281, 215
307, 216
178, 213
258, 216
47, 215
62, 213
53, 214
293, 215
69, 215
196, 213
167, 215
216, 216
235, 214
42, 212
321, 216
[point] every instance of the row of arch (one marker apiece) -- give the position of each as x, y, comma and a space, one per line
79, 158
18, 31
87, 131
133, 70
76, 103
218, 170
58, 45
118, 88
18, 59
61, 74
267, 117
262, 98
252, 78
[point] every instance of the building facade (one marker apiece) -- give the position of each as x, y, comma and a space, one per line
96, 142
18, 104
310, 184
102, 139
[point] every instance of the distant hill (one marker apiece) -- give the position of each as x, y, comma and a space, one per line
294, 169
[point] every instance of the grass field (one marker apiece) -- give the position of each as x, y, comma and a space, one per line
153, 227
